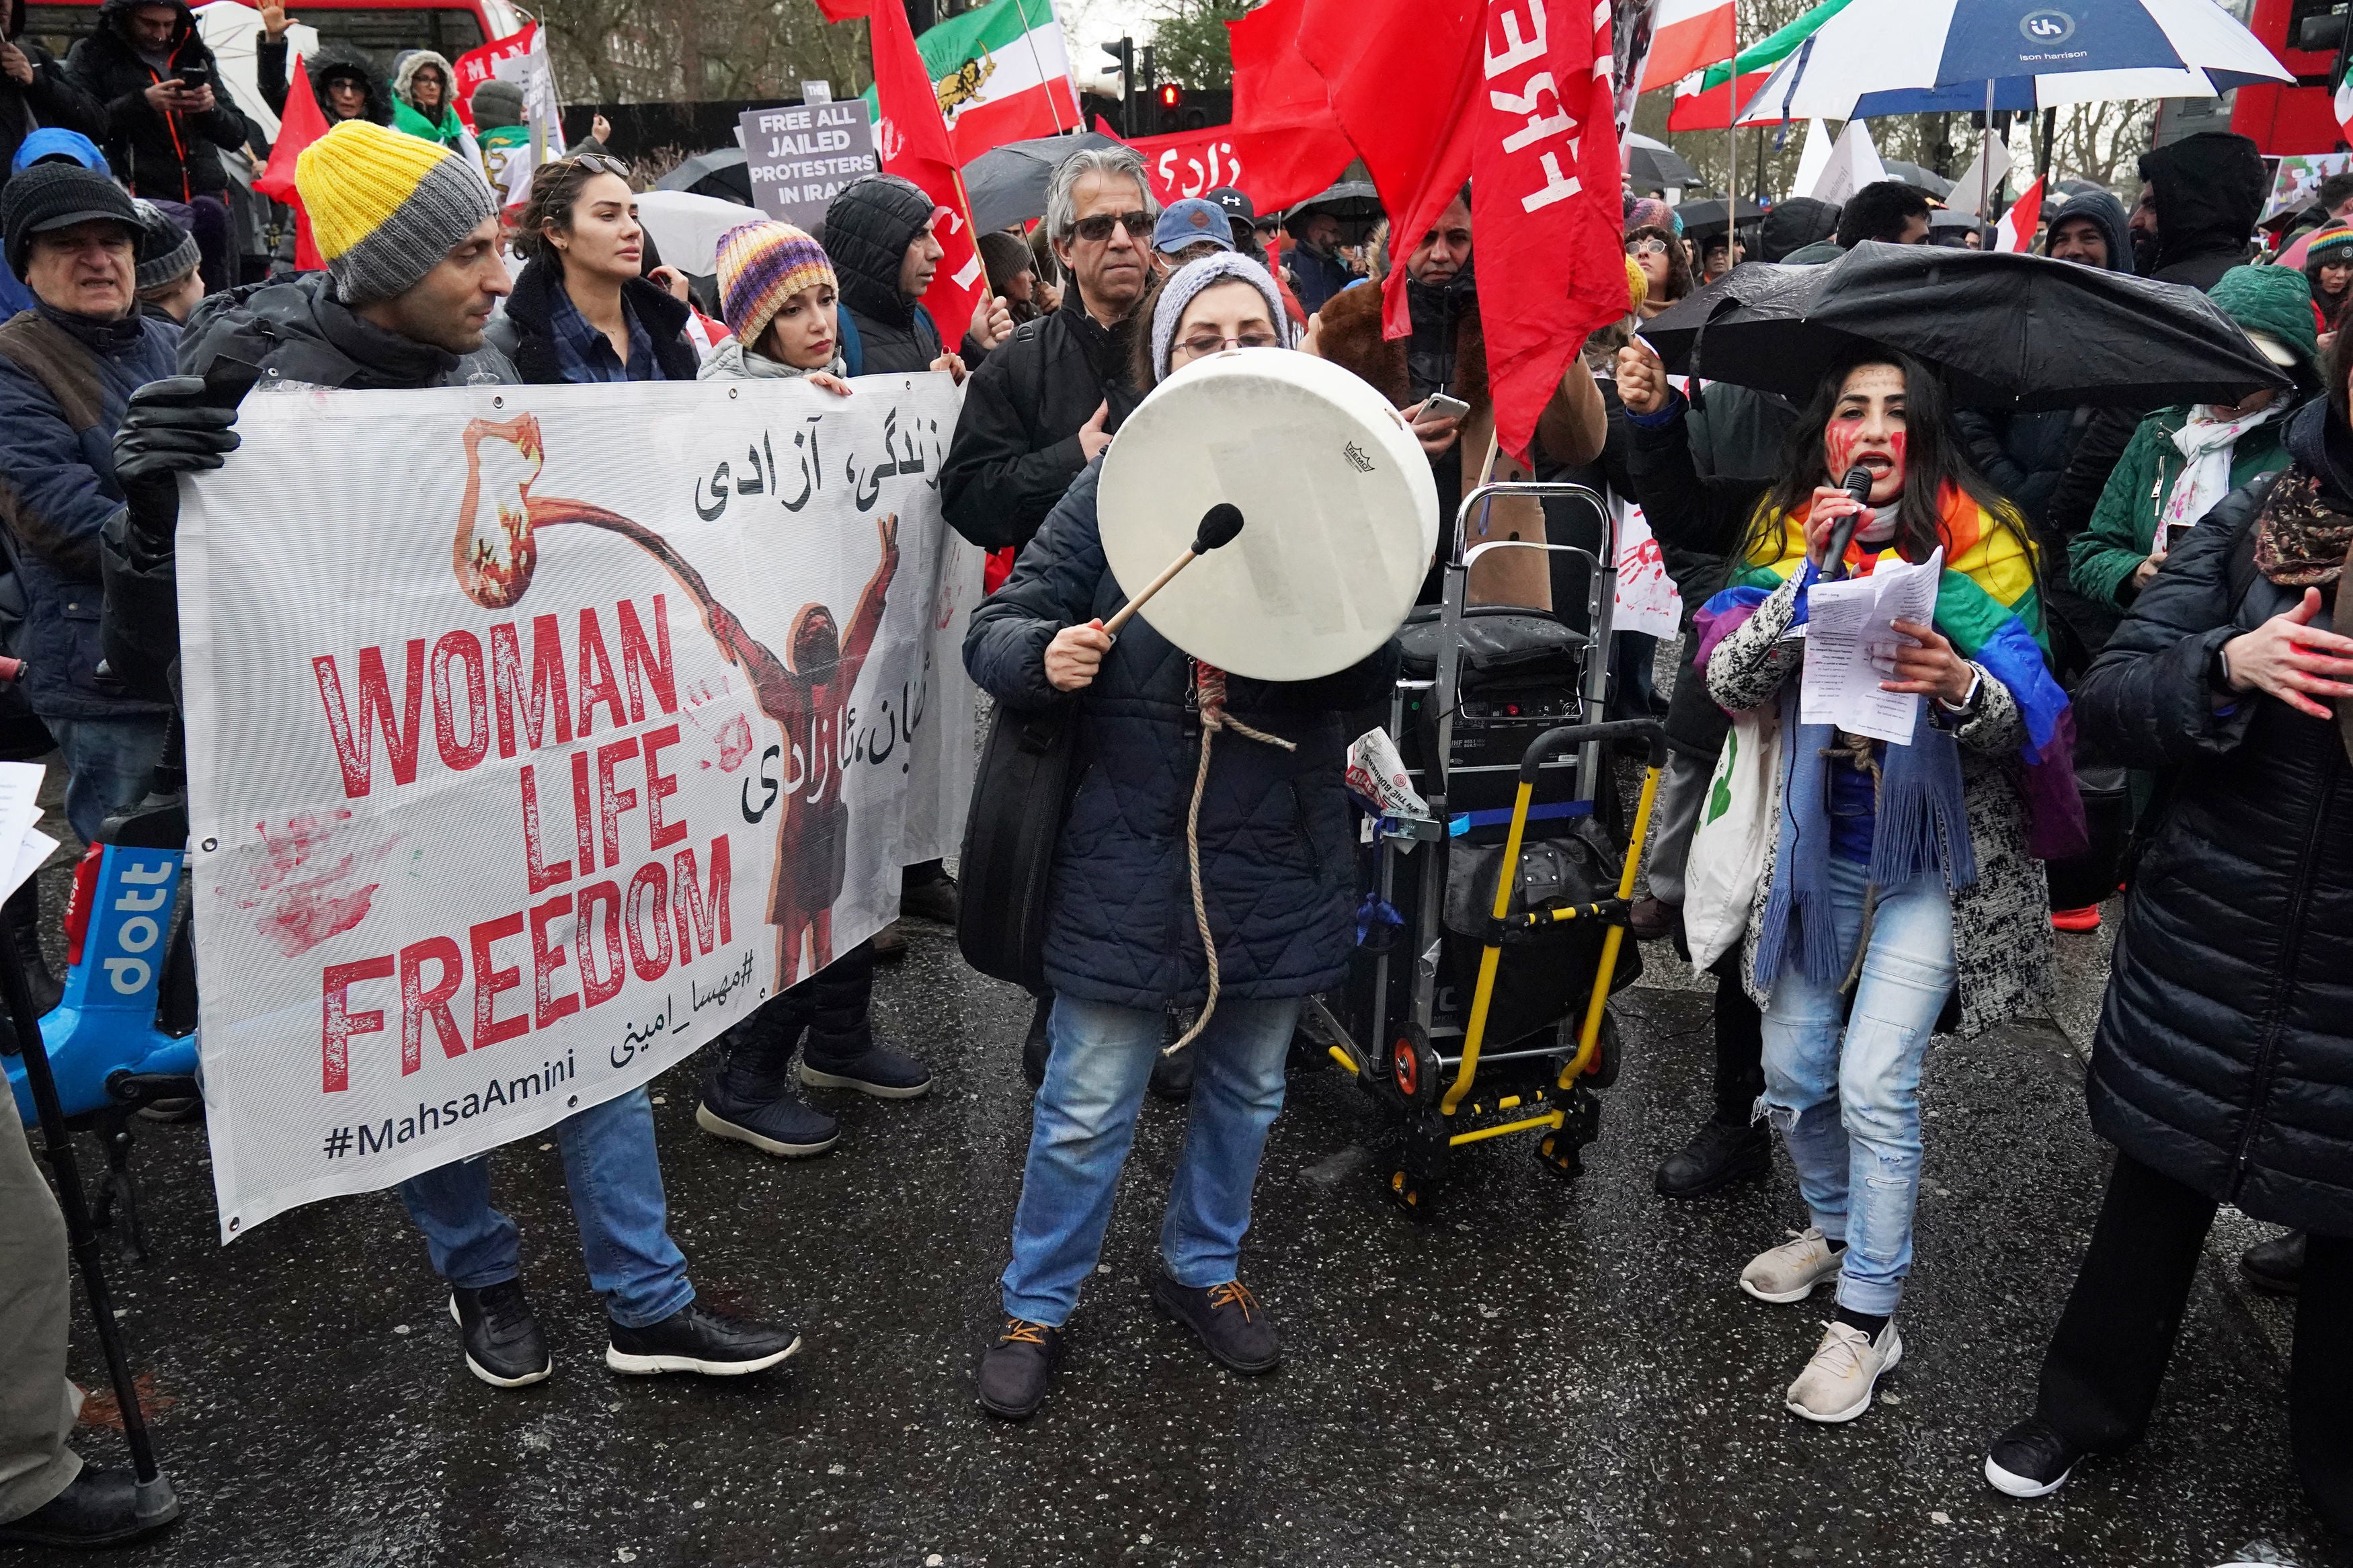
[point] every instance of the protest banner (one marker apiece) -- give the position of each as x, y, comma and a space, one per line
801, 155
536, 734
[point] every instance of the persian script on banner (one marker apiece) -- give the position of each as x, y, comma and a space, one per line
536, 734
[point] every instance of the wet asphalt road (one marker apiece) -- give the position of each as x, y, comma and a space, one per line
1539, 1370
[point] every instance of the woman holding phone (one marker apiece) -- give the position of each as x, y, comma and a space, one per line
2184, 460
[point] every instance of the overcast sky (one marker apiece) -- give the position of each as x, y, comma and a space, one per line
1089, 24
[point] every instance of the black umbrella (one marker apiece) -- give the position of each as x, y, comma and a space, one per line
1918, 178
1355, 203
724, 173
1651, 165
2004, 331
1007, 184
1703, 218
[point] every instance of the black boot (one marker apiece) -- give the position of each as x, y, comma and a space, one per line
1035, 1045
1720, 1153
99, 1508
2275, 1266
748, 1096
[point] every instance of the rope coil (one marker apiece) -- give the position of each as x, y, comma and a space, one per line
1209, 695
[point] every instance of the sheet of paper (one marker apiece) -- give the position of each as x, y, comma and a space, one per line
33, 850
1850, 645
20, 804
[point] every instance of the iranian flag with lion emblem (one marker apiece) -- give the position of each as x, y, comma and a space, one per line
1002, 75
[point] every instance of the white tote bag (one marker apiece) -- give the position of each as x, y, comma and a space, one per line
1735, 832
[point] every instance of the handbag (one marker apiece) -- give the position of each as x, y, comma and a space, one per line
1020, 796
1735, 833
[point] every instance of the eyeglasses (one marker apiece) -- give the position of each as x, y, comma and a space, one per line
1204, 343
1646, 248
1097, 228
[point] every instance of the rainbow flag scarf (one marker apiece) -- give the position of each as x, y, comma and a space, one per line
1987, 604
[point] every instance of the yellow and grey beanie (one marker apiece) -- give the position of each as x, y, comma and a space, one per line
384, 207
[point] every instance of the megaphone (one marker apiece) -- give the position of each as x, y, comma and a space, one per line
1342, 513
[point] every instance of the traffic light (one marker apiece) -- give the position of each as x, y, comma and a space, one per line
1124, 52
1171, 100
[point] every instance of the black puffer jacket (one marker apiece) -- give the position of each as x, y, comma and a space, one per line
293, 331
333, 61
2224, 1053
2208, 189
1277, 861
1017, 441
524, 332
173, 156
49, 100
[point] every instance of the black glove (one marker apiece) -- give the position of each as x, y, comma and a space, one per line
169, 427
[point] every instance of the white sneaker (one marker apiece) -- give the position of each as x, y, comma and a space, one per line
1836, 1385
1790, 1271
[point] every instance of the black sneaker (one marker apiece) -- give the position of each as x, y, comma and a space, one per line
98, 1507
1036, 1046
2031, 1459
1014, 1371
882, 1070
1234, 1329
2275, 1266
1719, 1154
932, 901
890, 943
503, 1345
697, 1338
779, 1125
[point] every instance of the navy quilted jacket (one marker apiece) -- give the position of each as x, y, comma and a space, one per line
1277, 853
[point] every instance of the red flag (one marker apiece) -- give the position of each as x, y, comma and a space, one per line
2016, 229
1514, 96
913, 139
300, 125
1711, 110
475, 67
1273, 84
1275, 168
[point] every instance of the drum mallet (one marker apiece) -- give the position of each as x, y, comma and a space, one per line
1219, 526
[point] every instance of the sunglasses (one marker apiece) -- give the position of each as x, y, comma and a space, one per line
595, 163
1097, 228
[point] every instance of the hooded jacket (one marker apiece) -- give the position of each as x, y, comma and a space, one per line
2025, 454
2273, 300
867, 231
2224, 1055
293, 331
175, 157
270, 66
444, 127
1278, 856
2208, 189
51, 99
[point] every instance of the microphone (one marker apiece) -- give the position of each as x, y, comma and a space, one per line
1857, 484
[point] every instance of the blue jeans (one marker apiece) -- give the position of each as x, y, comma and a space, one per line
1085, 1119
110, 763
614, 1177
1847, 1101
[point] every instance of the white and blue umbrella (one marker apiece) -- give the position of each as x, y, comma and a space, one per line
1917, 56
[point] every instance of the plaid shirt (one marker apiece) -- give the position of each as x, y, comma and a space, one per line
583, 354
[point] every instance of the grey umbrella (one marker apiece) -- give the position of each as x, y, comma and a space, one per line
1007, 184
1918, 178
723, 172
1652, 164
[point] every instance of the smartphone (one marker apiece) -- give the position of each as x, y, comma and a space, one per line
194, 75
1441, 407
2174, 532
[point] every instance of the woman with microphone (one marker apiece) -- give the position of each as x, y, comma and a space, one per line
1901, 893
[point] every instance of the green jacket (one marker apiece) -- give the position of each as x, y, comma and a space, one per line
2103, 558
450, 131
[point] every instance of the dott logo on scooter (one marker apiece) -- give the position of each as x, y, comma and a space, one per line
127, 944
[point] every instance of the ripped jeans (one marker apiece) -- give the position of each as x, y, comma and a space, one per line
1847, 1100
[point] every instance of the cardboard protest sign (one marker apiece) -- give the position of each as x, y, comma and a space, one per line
801, 155
536, 734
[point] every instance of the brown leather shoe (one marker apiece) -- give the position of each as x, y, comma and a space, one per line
890, 943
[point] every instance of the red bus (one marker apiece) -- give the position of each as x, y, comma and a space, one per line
2287, 120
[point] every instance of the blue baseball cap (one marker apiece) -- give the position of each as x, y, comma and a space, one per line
55, 141
1189, 222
